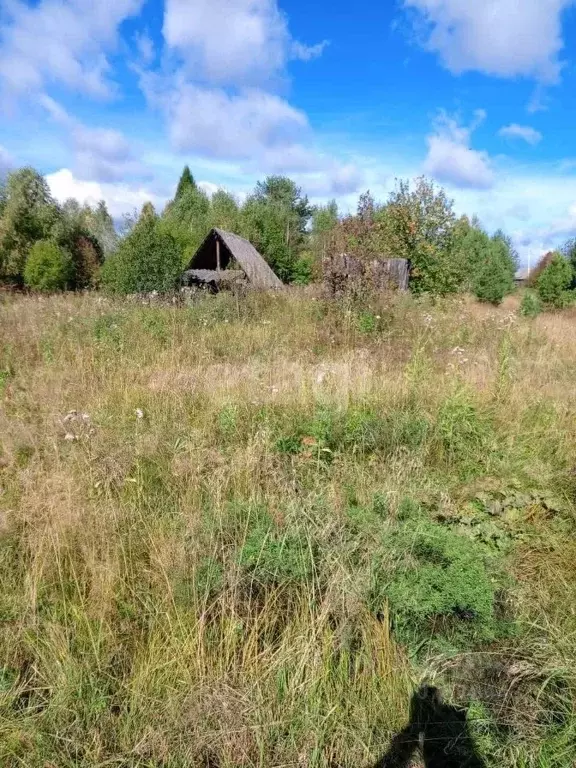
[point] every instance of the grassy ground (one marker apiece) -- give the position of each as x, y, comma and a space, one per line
240, 533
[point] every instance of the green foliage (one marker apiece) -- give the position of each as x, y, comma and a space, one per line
48, 267
273, 557
224, 211
187, 221
275, 218
417, 224
494, 275
148, 259
463, 433
530, 306
324, 222
185, 184
555, 281
442, 585
28, 216
303, 269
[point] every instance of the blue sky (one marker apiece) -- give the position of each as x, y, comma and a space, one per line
109, 98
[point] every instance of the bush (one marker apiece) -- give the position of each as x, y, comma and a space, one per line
530, 306
554, 282
148, 259
442, 585
48, 267
494, 278
303, 269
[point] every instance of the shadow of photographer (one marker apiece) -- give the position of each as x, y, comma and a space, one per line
438, 731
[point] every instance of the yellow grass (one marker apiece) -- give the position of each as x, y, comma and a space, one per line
138, 442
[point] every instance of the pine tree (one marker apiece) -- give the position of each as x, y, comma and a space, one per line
186, 183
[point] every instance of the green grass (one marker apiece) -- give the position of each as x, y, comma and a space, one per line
240, 533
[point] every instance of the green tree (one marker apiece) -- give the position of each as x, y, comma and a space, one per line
224, 211
511, 253
84, 251
418, 224
29, 215
48, 267
99, 224
185, 184
187, 220
324, 222
554, 282
148, 259
493, 277
275, 218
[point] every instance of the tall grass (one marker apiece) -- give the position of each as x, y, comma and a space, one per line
220, 526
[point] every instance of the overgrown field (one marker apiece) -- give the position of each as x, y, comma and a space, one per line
240, 533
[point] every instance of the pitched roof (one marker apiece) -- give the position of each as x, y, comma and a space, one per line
242, 251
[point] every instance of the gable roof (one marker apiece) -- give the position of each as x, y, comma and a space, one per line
242, 251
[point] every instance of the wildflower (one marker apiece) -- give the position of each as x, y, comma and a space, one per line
139, 413
69, 436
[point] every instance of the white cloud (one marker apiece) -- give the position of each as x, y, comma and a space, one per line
60, 42
308, 52
100, 154
220, 124
451, 160
505, 38
525, 132
233, 42
120, 197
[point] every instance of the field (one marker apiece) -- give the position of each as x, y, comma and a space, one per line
240, 533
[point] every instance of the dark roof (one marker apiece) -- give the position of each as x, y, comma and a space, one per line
242, 251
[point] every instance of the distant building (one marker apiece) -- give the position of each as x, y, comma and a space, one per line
522, 276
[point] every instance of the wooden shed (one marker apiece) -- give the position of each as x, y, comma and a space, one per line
227, 258
344, 272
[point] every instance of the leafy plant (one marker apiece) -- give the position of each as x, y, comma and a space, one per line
442, 585
48, 267
274, 557
530, 306
148, 259
494, 276
554, 282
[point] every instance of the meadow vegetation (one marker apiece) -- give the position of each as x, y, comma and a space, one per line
241, 532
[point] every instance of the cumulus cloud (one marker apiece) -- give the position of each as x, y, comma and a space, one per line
505, 38
60, 42
100, 154
239, 42
524, 132
120, 197
450, 158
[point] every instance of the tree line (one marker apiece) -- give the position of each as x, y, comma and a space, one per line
49, 246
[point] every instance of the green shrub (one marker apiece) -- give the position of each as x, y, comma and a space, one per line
303, 269
148, 259
48, 267
553, 283
494, 277
441, 584
530, 306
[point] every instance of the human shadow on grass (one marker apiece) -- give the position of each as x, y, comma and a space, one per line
438, 731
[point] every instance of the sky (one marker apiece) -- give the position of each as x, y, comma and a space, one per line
110, 98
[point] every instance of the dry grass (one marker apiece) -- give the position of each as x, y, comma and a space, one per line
141, 449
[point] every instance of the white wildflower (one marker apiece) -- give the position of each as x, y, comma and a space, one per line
139, 413
69, 436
